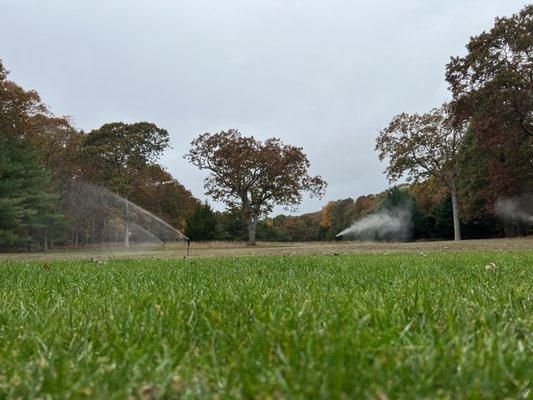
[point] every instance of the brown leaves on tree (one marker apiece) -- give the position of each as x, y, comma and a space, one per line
251, 175
421, 147
492, 87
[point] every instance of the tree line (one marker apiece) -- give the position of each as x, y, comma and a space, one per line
479, 145
458, 160
45, 165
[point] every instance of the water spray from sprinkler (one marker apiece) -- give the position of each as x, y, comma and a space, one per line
118, 220
390, 224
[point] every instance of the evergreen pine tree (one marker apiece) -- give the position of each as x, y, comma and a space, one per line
27, 209
201, 225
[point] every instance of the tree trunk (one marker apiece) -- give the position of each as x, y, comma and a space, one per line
126, 225
252, 225
45, 242
93, 234
104, 225
126, 234
455, 209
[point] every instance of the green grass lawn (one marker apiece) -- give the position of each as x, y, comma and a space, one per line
378, 326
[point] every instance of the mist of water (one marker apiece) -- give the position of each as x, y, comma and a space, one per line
390, 224
516, 209
141, 235
159, 228
102, 217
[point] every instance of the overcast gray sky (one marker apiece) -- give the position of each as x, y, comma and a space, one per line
324, 75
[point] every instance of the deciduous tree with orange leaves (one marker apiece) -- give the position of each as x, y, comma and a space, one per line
253, 175
422, 146
492, 87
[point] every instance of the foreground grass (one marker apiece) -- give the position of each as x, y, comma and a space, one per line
379, 326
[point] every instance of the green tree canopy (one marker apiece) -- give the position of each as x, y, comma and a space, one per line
202, 224
114, 154
28, 210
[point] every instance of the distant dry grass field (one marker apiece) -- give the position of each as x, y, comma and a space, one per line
240, 249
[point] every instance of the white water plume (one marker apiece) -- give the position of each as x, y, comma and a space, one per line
516, 209
391, 225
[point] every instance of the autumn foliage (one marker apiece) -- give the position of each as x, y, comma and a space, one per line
253, 176
458, 159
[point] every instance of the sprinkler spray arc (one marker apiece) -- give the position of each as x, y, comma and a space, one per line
117, 221
128, 223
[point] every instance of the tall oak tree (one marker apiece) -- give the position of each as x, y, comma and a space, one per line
252, 175
424, 146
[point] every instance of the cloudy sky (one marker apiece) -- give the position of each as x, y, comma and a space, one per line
324, 75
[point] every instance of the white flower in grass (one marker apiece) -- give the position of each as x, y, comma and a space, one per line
491, 267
